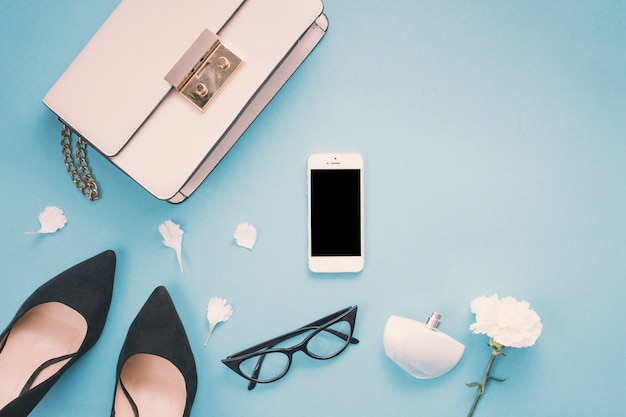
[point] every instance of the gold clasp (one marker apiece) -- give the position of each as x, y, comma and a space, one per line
204, 70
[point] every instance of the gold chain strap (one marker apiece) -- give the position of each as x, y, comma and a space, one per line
81, 176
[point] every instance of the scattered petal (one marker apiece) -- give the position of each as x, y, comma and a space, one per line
245, 235
173, 238
218, 311
51, 220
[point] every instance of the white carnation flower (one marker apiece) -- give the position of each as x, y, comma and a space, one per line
507, 321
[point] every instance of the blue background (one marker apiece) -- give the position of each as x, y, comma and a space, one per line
494, 138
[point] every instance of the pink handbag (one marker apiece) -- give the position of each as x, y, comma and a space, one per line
165, 88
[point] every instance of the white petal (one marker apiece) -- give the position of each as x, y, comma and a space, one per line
173, 238
218, 311
51, 220
245, 235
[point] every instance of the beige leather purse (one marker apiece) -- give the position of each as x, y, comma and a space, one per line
165, 88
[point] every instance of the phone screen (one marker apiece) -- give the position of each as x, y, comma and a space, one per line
335, 212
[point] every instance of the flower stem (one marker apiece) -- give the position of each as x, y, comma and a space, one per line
496, 350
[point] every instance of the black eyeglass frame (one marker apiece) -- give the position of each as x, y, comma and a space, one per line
235, 360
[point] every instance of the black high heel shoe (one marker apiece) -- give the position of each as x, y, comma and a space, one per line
156, 372
52, 329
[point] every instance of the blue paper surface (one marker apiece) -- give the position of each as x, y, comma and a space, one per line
494, 140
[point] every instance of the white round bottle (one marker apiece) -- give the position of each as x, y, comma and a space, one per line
420, 348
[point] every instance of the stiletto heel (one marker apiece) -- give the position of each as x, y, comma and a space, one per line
52, 329
156, 371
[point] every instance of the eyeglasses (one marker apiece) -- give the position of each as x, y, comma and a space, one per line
265, 362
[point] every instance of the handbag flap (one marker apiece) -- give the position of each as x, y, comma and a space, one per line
118, 79
176, 139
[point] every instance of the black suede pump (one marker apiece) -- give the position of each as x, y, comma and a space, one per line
52, 329
156, 371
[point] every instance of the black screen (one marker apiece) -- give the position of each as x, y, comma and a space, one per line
335, 212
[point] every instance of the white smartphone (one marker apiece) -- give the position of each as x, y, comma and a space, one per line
335, 212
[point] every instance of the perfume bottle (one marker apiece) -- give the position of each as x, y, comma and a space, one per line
420, 348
